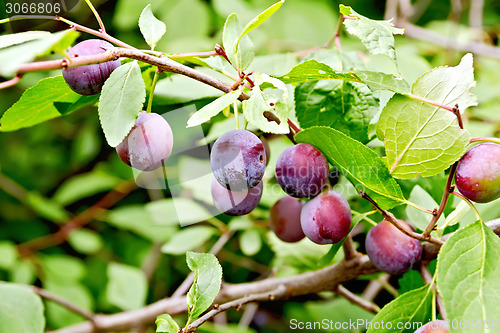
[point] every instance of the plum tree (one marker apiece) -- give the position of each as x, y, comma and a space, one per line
326, 219
148, 144
235, 203
391, 250
284, 219
238, 160
478, 173
302, 171
435, 326
89, 79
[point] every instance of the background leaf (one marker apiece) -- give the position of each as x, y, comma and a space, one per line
122, 97
468, 273
345, 106
312, 70
418, 218
207, 282
151, 28
50, 98
21, 310
243, 56
12, 57
358, 163
377, 36
127, 286
212, 109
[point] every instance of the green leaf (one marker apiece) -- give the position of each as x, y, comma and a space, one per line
207, 282
417, 217
85, 241
122, 97
210, 110
377, 36
303, 255
188, 239
8, 254
468, 275
49, 98
84, 185
21, 37
258, 20
166, 324
241, 55
61, 268
449, 85
151, 28
12, 57
347, 107
383, 81
457, 215
75, 293
250, 242
21, 310
178, 211
47, 208
312, 70
420, 139
127, 286
279, 102
358, 163
413, 306
138, 220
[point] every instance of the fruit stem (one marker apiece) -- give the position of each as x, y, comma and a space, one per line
485, 139
152, 90
428, 101
11, 82
414, 205
471, 205
96, 14
447, 191
192, 55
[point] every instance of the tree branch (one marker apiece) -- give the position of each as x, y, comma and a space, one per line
237, 303
477, 48
306, 283
356, 300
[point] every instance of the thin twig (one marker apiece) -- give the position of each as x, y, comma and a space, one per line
97, 16
87, 216
444, 200
238, 303
356, 300
477, 48
11, 82
61, 301
302, 284
390, 217
427, 277
349, 248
